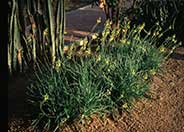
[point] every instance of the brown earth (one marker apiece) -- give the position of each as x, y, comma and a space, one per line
164, 112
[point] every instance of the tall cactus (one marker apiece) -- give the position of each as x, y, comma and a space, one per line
27, 23
14, 45
52, 30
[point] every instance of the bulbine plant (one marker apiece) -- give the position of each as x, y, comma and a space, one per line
118, 73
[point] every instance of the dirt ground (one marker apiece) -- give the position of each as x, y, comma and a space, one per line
164, 112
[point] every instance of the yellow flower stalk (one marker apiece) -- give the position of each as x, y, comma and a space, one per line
111, 39
142, 27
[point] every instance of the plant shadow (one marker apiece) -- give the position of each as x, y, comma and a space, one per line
177, 56
18, 106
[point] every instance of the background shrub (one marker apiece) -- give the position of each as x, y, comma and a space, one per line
166, 13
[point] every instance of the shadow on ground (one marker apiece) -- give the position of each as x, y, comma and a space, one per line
178, 56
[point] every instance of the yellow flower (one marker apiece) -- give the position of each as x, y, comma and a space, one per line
135, 31
99, 20
107, 61
111, 39
174, 36
110, 22
46, 32
142, 26
170, 27
98, 58
133, 72
69, 57
157, 33
152, 72
143, 48
108, 92
123, 30
125, 105
29, 39
154, 34
94, 36
149, 33
46, 97
123, 41
160, 29
161, 34
88, 52
81, 42
145, 76
66, 48
162, 49
128, 42
58, 65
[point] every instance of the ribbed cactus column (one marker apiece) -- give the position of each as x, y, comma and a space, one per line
62, 25
52, 31
56, 28
27, 32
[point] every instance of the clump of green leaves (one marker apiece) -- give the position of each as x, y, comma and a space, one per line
118, 72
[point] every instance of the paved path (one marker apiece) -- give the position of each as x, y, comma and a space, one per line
80, 22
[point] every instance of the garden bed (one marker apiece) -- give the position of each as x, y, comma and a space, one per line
155, 109
162, 113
